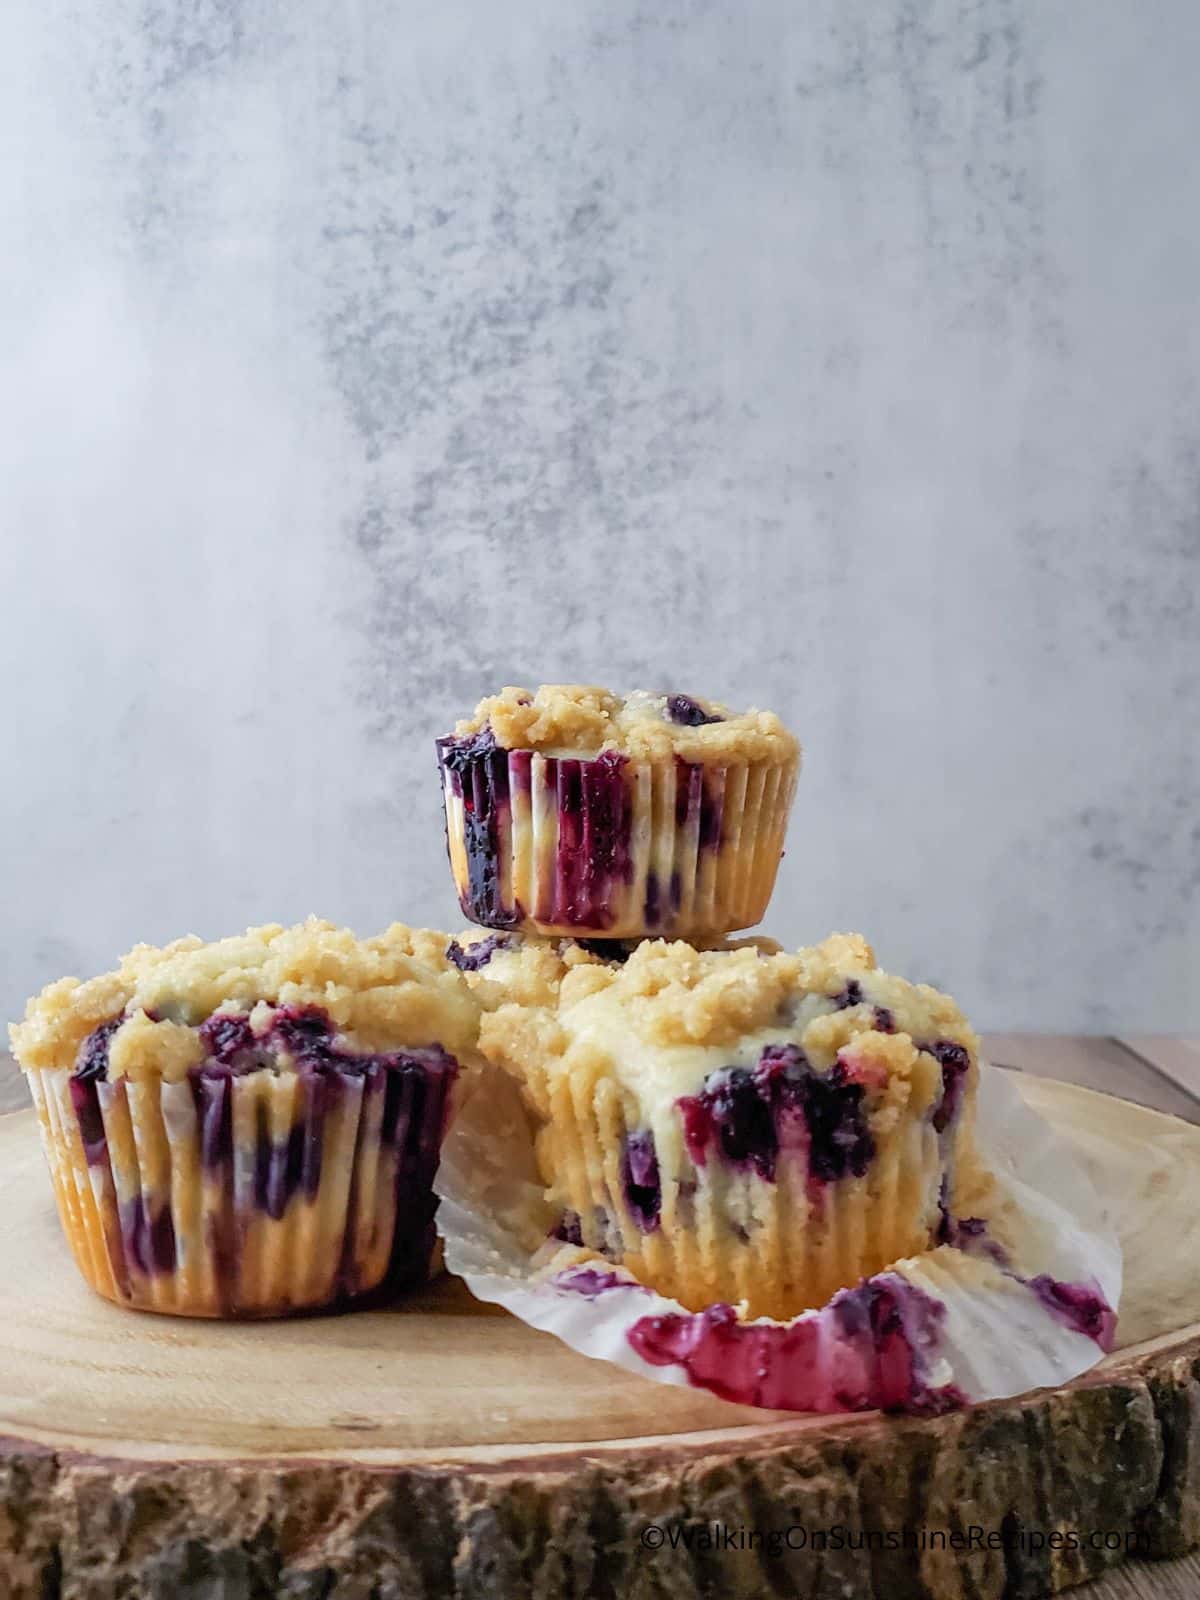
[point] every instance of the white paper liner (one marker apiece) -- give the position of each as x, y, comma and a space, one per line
1025, 1304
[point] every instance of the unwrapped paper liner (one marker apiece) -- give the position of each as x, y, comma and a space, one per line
1021, 1296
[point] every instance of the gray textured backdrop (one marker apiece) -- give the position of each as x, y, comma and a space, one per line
839, 356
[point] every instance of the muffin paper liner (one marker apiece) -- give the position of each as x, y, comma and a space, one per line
611, 847
258, 1194
1020, 1296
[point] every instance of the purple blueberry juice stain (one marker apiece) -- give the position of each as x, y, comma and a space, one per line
652, 905
277, 1167
955, 1064
1079, 1306
885, 1022
520, 771
457, 754
402, 1105
741, 1111
85, 1101
901, 1327
213, 1097
591, 1281
689, 778
697, 800
148, 1237
421, 1082
483, 812
688, 713
640, 1179
712, 817
887, 1334
477, 771
413, 1086
595, 825
472, 957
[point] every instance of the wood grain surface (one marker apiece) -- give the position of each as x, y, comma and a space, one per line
1163, 1074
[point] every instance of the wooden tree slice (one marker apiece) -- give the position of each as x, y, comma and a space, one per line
447, 1449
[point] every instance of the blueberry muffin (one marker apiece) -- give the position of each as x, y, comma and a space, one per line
573, 811
742, 1125
251, 1127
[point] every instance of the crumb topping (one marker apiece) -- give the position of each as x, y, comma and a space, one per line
671, 1014
520, 968
674, 994
393, 991
583, 720
529, 971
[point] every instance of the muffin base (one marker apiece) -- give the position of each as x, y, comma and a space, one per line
723, 1231
610, 847
252, 1195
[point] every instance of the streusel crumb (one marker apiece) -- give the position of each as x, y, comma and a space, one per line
392, 991
521, 968
583, 720
672, 1013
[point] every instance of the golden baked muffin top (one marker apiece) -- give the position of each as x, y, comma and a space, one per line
393, 991
571, 719
671, 1014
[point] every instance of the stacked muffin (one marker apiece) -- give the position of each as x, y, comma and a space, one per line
728, 1121
572, 811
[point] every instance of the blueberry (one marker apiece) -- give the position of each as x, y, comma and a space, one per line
851, 995
732, 1112
955, 1064
739, 1110
840, 1142
693, 796
688, 713
91, 1063
568, 1229
226, 1035
304, 1032
470, 957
